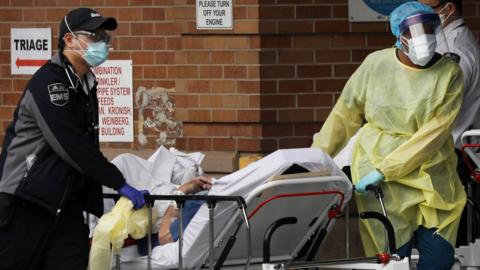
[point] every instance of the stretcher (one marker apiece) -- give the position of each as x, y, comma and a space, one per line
308, 201
292, 240
286, 216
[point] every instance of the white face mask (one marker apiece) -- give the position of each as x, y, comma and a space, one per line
421, 49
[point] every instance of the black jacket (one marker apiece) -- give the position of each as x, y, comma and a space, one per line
52, 142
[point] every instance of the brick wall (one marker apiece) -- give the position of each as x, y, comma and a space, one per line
269, 83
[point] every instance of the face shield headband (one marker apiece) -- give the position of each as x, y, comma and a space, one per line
420, 24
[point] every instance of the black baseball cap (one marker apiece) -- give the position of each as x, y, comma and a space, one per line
85, 19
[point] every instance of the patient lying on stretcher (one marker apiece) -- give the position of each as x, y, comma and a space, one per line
168, 229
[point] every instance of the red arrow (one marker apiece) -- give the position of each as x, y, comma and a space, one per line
29, 62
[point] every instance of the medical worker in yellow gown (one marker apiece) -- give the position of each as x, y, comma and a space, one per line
404, 101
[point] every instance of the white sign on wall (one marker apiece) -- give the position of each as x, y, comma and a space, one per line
30, 48
115, 100
371, 10
214, 14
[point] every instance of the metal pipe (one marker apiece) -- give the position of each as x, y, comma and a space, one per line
379, 195
211, 238
386, 233
117, 261
322, 264
267, 237
180, 235
347, 230
149, 237
383, 207
249, 236
469, 214
388, 227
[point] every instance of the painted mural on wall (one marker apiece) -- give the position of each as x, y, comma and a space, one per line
156, 115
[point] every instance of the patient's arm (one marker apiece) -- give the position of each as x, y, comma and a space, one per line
197, 184
164, 235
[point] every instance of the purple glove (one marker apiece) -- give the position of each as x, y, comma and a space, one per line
136, 196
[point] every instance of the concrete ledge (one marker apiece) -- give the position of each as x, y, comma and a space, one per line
220, 162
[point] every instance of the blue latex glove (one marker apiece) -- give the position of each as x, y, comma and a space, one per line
370, 179
136, 196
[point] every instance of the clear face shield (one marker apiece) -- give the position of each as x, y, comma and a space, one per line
424, 32
422, 27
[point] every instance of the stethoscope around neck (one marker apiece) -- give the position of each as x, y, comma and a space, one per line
69, 78
65, 66
94, 126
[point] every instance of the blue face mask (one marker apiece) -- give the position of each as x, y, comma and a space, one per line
96, 53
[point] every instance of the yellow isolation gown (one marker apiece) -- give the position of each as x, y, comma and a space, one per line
404, 117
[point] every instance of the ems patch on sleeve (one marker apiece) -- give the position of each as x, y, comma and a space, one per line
59, 94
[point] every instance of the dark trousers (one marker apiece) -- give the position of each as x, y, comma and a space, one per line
434, 251
34, 236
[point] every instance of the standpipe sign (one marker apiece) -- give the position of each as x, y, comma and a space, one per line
115, 100
214, 14
30, 49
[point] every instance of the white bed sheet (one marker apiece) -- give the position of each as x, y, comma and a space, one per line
240, 183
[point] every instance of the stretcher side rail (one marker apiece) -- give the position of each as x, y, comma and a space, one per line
469, 156
381, 258
320, 233
336, 201
334, 211
180, 200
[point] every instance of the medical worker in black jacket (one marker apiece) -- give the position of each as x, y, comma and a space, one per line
51, 166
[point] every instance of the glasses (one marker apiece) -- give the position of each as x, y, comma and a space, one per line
96, 36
